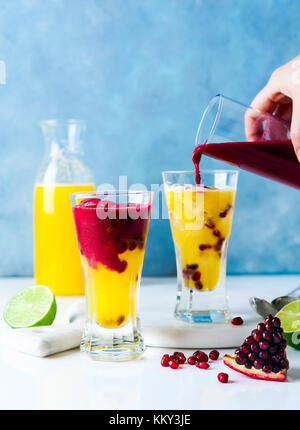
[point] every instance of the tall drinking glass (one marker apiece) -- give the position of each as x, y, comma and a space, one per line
200, 218
112, 231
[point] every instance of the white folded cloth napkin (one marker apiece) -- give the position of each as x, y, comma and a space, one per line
47, 340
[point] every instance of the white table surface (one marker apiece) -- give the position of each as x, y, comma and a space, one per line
70, 380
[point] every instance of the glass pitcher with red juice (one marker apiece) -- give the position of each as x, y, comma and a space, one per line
247, 138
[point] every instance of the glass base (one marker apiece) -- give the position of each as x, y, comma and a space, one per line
196, 317
119, 344
121, 353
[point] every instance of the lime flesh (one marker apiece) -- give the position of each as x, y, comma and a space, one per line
31, 307
289, 316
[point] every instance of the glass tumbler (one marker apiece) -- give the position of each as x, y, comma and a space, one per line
200, 219
112, 231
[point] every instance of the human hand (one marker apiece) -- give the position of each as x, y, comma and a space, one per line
281, 97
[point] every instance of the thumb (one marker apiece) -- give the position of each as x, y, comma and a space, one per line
295, 126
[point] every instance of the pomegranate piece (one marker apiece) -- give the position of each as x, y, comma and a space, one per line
223, 377
237, 321
202, 365
264, 358
214, 354
254, 372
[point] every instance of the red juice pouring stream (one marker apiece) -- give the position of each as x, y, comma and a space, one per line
273, 159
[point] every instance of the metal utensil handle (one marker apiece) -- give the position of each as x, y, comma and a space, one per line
293, 291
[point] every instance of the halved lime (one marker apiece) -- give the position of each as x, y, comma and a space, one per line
31, 307
289, 316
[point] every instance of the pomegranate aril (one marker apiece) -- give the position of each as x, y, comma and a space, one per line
256, 335
267, 368
214, 354
202, 357
249, 340
254, 347
191, 361
270, 328
276, 322
264, 345
248, 365
264, 355
284, 364
240, 358
223, 377
260, 327
192, 266
275, 369
181, 359
196, 276
268, 319
283, 343
202, 365
273, 349
276, 358
204, 246
173, 363
245, 349
258, 363
267, 336
165, 360
252, 356
237, 321
277, 338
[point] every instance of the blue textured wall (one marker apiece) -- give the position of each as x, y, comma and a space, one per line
141, 73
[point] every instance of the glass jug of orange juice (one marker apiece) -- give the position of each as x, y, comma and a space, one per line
56, 255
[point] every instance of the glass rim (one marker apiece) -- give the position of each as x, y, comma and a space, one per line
218, 100
201, 171
112, 193
63, 121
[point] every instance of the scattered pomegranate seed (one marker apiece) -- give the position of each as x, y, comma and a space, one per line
165, 360
202, 365
181, 358
173, 363
214, 354
223, 377
201, 356
237, 321
191, 360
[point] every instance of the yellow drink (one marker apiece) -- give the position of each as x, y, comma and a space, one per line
57, 259
112, 295
200, 220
